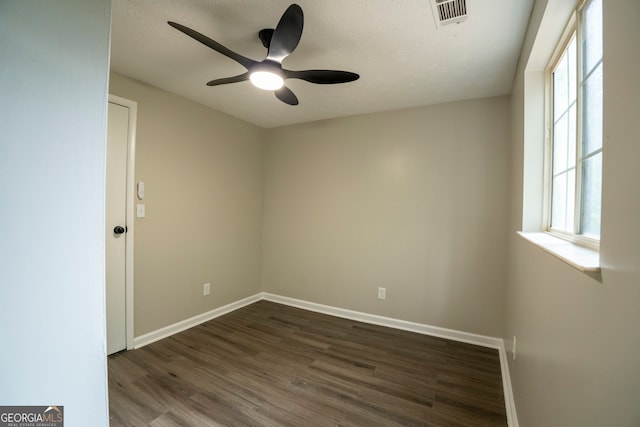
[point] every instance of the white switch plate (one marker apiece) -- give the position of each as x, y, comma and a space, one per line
140, 210
382, 293
206, 289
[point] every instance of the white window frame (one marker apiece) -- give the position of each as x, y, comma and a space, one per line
573, 29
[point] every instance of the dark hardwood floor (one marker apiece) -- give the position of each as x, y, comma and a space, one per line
272, 365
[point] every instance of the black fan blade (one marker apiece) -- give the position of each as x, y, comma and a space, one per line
287, 34
226, 80
323, 77
285, 95
244, 61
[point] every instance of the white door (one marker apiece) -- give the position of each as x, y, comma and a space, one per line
116, 227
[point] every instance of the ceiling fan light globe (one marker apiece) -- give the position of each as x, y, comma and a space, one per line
266, 80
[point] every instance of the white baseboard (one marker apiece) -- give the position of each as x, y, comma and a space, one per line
452, 334
466, 337
510, 404
183, 325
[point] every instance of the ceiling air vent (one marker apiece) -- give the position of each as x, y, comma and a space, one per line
449, 11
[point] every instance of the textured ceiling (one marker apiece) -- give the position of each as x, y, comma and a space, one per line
403, 59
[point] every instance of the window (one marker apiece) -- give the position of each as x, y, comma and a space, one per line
575, 77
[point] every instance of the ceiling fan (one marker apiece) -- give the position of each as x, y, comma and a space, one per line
269, 74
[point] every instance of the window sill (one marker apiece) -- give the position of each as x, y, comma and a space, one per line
584, 259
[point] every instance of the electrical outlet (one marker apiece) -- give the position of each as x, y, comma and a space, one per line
206, 289
513, 348
382, 293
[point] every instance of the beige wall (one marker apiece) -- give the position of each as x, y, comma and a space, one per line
578, 338
413, 200
203, 175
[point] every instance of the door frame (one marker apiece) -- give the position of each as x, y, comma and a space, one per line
130, 214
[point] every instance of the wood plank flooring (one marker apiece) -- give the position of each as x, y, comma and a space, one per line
272, 365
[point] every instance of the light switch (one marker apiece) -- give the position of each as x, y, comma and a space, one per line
140, 210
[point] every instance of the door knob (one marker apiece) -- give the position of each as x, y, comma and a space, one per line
120, 230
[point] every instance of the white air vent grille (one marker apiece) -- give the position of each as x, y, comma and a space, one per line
449, 11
